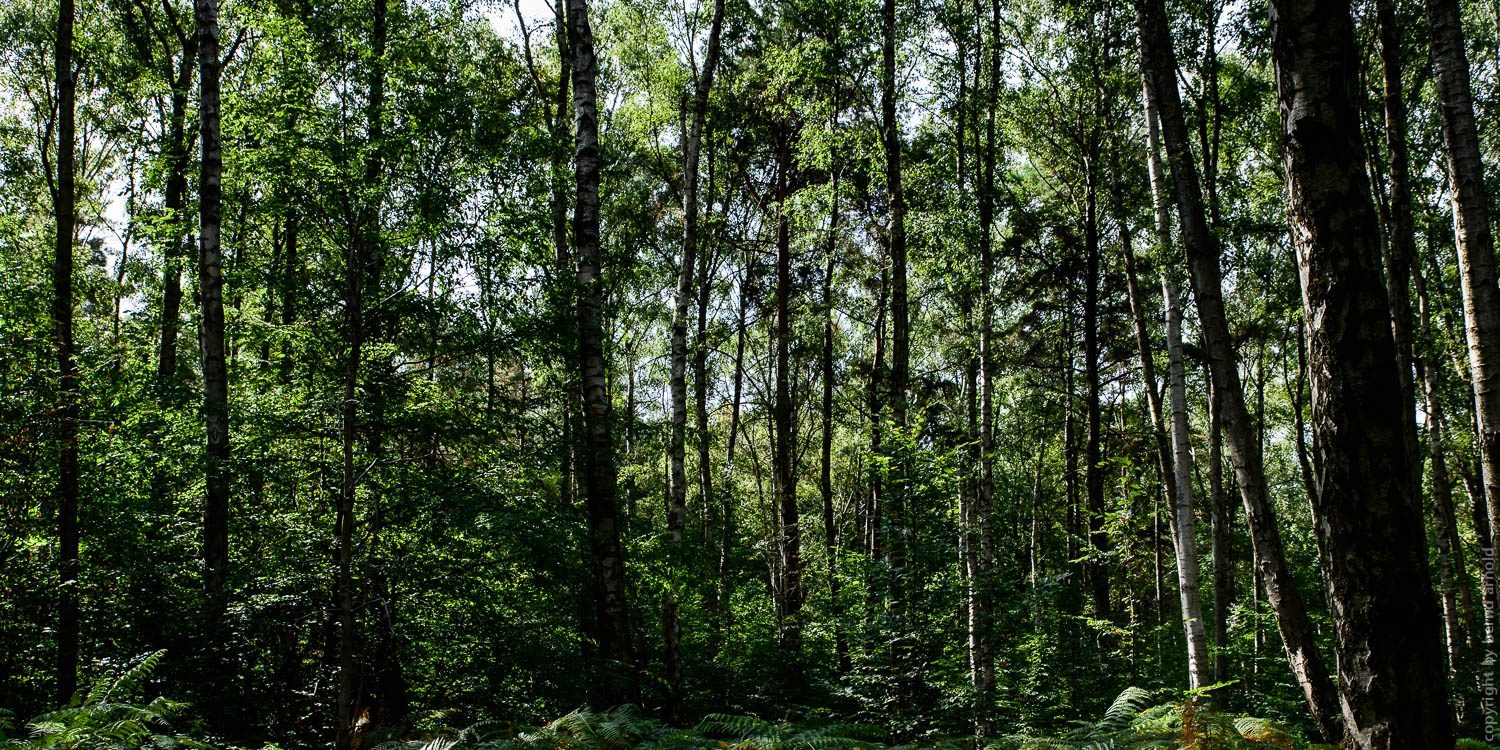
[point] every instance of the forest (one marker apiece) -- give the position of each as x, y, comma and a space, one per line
760, 374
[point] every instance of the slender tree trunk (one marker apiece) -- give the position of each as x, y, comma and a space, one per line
677, 481
700, 380
1183, 525
1449, 552
64, 212
1401, 239
1143, 345
173, 200
983, 603
289, 284
1163, 230
1098, 571
1297, 632
619, 685
790, 539
215, 374
825, 479
875, 405
565, 295
1221, 546
968, 490
344, 582
726, 521
890, 132
1367, 512
1475, 243
364, 237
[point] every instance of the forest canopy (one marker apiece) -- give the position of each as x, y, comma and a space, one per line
710, 373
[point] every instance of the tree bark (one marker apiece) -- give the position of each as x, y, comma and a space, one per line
825, 478
890, 131
64, 213
173, 200
1450, 557
789, 640
1475, 243
701, 376
1163, 230
619, 684
1220, 546
1367, 512
1159, 434
677, 481
364, 236
1400, 237
890, 135
1202, 250
1097, 570
215, 374
983, 602
1183, 537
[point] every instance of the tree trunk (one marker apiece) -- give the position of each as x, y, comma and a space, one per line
1367, 513
619, 683
215, 374
1221, 542
789, 640
1297, 632
64, 212
173, 200
726, 521
344, 582
1097, 570
983, 603
364, 235
1183, 537
677, 481
1138, 317
1450, 557
874, 406
825, 478
1475, 244
1401, 240
890, 132
701, 377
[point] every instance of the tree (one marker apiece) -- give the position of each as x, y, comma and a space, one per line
891, 495
677, 513
64, 213
1183, 537
1297, 633
612, 626
789, 539
1368, 519
1475, 245
211, 293
361, 275
985, 654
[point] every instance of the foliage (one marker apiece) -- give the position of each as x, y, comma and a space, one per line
472, 592
1129, 722
112, 716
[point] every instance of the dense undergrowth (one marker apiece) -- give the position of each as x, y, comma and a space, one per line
114, 714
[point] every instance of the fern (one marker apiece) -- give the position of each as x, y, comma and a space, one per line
1133, 721
107, 719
